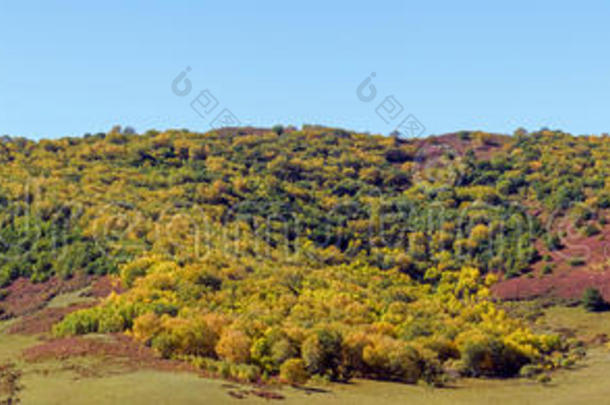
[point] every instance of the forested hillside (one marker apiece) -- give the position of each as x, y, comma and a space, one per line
318, 252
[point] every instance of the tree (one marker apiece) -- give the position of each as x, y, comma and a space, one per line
593, 301
278, 129
322, 353
391, 359
294, 371
234, 346
493, 358
479, 234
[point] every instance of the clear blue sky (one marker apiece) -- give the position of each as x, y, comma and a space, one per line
70, 67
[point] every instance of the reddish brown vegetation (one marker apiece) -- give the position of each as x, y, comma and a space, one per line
567, 280
103, 286
482, 150
42, 321
567, 285
118, 347
24, 297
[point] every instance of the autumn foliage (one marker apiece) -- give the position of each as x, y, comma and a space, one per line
302, 253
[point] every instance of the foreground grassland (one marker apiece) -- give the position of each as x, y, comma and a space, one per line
96, 380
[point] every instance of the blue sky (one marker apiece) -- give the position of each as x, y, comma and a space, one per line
70, 67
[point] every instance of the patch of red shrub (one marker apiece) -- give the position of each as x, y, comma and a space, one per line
24, 296
116, 346
566, 285
103, 286
42, 321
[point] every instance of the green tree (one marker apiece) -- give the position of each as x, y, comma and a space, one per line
593, 301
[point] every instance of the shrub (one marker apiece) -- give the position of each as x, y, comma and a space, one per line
78, 323
135, 269
593, 301
322, 353
544, 379
353, 347
293, 371
10, 384
392, 359
110, 322
603, 200
177, 336
553, 242
234, 346
165, 344
272, 350
492, 358
278, 129
547, 269
479, 233
146, 327
530, 370
245, 372
591, 230
576, 261
397, 156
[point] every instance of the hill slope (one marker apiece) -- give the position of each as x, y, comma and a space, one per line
253, 253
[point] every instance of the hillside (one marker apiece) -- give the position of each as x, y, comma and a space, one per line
289, 254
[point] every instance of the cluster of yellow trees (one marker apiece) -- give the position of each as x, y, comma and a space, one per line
330, 321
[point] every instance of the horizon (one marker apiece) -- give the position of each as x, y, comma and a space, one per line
129, 130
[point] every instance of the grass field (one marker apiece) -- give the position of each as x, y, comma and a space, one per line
95, 380
587, 384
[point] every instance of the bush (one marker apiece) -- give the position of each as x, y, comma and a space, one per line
165, 344
392, 359
278, 129
353, 347
176, 336
492, 358
78, 323
110, 322
576, 261
293, 371
530, 370
553, 242
603, 200
593, 301
10, 384
547, 269
146, 327
591, 230
234, 346
322, 353
272, 350
544, 379
245, 372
